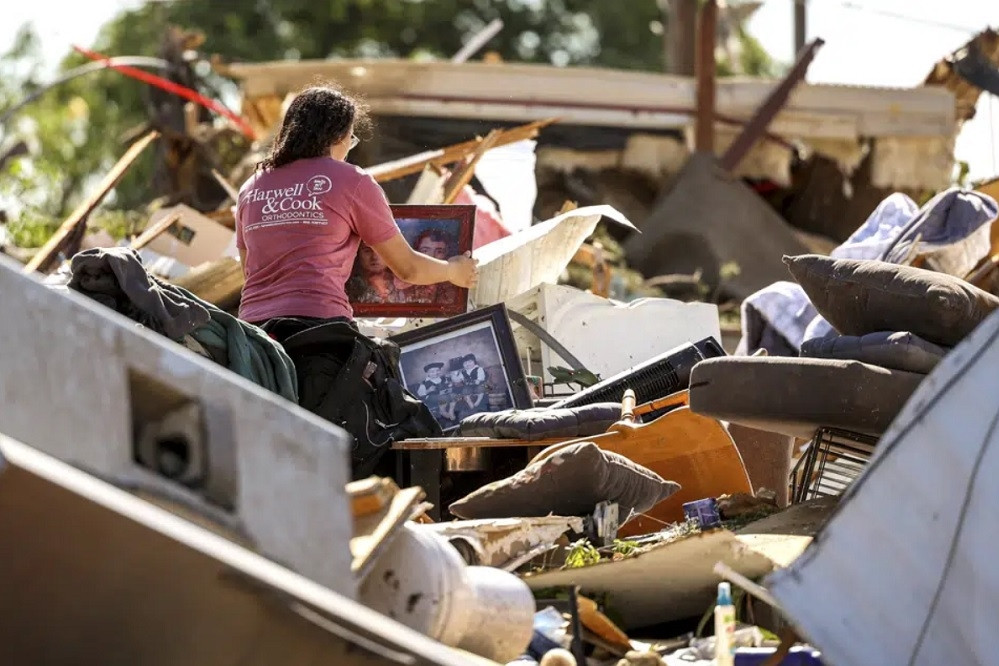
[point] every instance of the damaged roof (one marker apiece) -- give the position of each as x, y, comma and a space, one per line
968, 71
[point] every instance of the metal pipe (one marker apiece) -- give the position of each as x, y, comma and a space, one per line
704, 138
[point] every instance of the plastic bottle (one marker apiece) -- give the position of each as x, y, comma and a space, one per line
724, 626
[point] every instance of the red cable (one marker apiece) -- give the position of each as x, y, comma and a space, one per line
175, 88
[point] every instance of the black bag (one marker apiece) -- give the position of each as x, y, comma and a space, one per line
354, 381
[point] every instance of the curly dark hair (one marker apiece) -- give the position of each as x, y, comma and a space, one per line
317, 118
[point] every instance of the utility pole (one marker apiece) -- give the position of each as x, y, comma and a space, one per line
681, 27
706, 30
799, 25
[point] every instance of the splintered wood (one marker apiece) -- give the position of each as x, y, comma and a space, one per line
450, 154
46, 256
379, 509
150, 234
218, 282
462, 175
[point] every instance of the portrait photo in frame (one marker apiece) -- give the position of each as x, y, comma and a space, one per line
464, 365
440, 231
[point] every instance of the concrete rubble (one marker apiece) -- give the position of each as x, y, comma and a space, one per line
588, 514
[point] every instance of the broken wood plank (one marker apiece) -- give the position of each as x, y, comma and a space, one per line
370, 495
218, 282
770, 107
150, 234
223, 217
226, 185
449, 154
462, 175
45, 257
373, 533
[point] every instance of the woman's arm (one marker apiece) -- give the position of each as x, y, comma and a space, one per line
242, 260
417, 268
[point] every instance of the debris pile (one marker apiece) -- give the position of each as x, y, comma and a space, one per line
573, 471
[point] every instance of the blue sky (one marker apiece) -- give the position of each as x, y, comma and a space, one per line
868, 42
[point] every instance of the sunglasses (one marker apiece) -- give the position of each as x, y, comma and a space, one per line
354, 141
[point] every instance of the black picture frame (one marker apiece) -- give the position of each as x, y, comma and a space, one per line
485, 334
454, 226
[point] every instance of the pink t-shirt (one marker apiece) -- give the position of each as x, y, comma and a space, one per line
300, 225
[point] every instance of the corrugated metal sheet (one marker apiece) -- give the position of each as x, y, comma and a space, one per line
904, 572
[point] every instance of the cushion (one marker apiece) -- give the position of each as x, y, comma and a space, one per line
860, 296
541, 422
899, 350
570, 482
797, 396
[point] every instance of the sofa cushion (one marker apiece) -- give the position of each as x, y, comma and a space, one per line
858, 297
797, 396
896, 350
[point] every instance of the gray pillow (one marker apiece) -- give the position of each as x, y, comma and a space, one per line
897, 350
858, 297
570, 482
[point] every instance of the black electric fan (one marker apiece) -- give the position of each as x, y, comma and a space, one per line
656, 378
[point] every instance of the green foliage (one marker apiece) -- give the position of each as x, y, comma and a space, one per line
624, 548
581, 554
32, 229
77, 131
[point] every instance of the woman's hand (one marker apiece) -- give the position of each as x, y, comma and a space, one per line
463, 270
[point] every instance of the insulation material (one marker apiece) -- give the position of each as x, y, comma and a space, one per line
656, 156
567, 160
846, 153
537, 255
913, 162
766, 160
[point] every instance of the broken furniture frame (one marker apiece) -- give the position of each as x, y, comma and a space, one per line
833, 459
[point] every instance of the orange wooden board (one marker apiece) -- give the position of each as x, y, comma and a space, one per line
693, 450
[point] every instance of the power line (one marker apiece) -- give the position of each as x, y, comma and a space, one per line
912, 19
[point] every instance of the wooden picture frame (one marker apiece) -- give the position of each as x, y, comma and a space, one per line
486, 336
442, 231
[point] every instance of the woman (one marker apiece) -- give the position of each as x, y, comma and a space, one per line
302, 215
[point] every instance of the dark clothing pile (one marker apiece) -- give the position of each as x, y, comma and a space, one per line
116, 278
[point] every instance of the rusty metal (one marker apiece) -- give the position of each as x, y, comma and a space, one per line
705, 67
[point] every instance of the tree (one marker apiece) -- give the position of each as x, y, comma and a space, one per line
82, 127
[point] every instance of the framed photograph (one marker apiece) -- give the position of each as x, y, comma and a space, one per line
441, 231
465, 365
